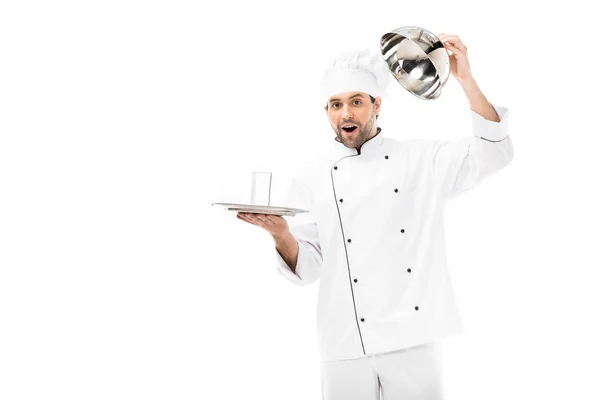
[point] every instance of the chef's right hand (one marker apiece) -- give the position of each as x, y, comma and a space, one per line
276, 225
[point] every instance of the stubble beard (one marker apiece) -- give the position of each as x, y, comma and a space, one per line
362, 136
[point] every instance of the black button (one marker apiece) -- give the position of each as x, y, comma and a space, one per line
341, 200
402, 230
417, 308
335, 167
349, 240
362, 320
355, 280
409, 270
396, 190
386, 157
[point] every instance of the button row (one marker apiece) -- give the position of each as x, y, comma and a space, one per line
335, 166
350, 240
342, 200
416, 308
408, 270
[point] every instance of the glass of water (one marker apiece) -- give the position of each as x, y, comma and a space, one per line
261, 189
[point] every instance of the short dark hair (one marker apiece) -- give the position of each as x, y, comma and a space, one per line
373, 101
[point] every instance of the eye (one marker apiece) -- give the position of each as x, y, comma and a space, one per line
357, 102
336, 105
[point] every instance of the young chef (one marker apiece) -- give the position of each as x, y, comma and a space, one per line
374, 235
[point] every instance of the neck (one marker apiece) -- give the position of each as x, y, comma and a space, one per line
371, 136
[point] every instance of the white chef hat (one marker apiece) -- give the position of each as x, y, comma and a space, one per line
357, 71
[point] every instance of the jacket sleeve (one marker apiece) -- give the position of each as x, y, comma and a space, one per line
303, 227
461, 165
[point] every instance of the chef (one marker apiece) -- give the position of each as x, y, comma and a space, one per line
374, 233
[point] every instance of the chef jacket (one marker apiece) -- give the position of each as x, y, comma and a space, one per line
374, 235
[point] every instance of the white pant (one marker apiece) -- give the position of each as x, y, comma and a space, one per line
409, 374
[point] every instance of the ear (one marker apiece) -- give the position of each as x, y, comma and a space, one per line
377, 105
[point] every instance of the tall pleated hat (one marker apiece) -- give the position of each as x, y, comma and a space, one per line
361, 70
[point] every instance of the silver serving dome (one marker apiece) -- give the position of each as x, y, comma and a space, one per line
417, 59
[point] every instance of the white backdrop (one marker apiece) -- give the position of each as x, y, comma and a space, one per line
122, 121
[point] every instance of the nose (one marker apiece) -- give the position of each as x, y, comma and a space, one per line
347, 113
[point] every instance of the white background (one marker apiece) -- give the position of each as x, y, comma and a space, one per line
122, 121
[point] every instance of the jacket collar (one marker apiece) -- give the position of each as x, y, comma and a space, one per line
368, 147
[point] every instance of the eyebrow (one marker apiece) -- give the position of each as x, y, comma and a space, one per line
351, 97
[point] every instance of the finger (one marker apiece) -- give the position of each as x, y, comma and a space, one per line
275, 219
456, 51
271, 218
449, 36
263, 217
243, 218
442, 36
257, 219
455, 40
249, 217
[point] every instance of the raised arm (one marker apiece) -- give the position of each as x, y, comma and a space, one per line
462, 164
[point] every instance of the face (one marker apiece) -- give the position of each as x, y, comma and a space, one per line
353, 117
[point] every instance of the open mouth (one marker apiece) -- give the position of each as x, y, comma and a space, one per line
349, 128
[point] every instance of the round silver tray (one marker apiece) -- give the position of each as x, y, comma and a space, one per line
258, 209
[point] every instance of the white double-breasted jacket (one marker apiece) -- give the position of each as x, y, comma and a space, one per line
374, 236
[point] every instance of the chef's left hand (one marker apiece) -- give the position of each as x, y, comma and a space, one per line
459, 61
